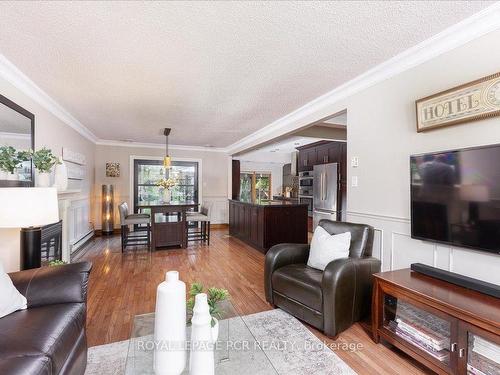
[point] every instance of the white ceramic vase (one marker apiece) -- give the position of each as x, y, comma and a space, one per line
13, 176
61, 176
201, 360
43, 179
167, 196
170, 326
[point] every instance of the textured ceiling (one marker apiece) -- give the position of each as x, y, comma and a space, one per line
212, 71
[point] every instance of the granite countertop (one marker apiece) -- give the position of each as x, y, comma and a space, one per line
273, 203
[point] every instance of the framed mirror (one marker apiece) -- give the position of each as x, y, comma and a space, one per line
17, 137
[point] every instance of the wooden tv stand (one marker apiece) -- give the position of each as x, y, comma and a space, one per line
464, 318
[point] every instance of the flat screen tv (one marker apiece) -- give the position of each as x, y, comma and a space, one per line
455, 197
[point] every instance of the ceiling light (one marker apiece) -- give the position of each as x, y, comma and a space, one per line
167, 161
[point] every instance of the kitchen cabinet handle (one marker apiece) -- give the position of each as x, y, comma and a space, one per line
321, 186
326, 187
453, 347
461, 352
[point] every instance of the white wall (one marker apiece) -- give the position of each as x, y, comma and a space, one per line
51, 132
214, 176
381, 132
276, 170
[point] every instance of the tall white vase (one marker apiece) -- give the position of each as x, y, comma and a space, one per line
61, 176
170, 326
167, 195
43, 179
201, 360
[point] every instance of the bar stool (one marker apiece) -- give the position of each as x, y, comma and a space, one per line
132, 237
203, 233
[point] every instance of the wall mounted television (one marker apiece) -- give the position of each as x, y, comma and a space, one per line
455, 197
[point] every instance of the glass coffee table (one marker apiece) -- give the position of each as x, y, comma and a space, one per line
235, 352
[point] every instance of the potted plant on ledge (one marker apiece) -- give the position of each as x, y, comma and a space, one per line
44, 160
214, 297
10, 161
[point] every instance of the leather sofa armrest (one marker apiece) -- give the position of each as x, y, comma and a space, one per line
347, 290
52, 285
279, 256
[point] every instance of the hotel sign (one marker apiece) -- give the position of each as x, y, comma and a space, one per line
473, 101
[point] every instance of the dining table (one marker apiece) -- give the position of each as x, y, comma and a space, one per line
168, 222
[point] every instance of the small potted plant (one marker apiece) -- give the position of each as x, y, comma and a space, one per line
57, 262
44, 160
10, 161
214, 297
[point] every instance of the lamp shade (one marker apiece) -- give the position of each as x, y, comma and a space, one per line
28, 207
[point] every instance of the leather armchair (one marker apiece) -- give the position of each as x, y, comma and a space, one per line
49, 336
330, 300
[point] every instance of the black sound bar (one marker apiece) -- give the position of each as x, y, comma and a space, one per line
460, 280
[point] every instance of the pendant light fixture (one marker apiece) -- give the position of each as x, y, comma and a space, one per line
167, 160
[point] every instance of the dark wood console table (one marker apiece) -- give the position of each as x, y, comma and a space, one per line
448, 328
168, 223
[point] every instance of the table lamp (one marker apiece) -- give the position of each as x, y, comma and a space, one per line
28, 209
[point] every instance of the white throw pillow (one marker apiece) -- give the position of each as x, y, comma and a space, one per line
10, 298
326, 248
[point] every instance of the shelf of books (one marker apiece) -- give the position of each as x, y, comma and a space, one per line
421, 329
483, 356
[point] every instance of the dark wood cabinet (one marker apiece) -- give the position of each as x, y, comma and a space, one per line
235, 179
268, 224
322, 152
437, 323
325, 152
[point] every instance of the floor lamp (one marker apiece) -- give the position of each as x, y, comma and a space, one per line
28, 209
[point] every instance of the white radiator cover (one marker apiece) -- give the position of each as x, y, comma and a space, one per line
74, 211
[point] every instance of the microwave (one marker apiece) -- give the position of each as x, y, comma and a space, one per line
303, 182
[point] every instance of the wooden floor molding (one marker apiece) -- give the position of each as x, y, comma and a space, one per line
124, 285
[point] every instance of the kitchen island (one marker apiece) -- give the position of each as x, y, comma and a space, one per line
263, 224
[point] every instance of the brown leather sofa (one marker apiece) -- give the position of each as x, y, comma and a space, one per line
330, 300
49, 336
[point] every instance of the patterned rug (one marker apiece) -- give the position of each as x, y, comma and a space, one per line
288, 345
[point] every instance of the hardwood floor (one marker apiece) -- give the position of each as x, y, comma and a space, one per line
124, 285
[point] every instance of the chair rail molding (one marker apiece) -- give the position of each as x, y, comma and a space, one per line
396, 249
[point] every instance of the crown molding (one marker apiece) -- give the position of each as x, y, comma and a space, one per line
105, 142
454, 36
18, 79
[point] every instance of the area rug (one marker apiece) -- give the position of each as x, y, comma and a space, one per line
279, 344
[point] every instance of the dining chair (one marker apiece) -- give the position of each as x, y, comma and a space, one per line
134, 237
203, 232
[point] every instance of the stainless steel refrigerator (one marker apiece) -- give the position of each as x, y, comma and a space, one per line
325, 191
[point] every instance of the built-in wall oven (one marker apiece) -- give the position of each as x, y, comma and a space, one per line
306, 180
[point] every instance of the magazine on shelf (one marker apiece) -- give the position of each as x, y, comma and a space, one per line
428, 326
483, 364
421, 336
440, 355
486, 349
474, 371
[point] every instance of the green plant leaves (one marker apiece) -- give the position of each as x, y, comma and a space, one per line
44, 160
214, 296
10, 159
